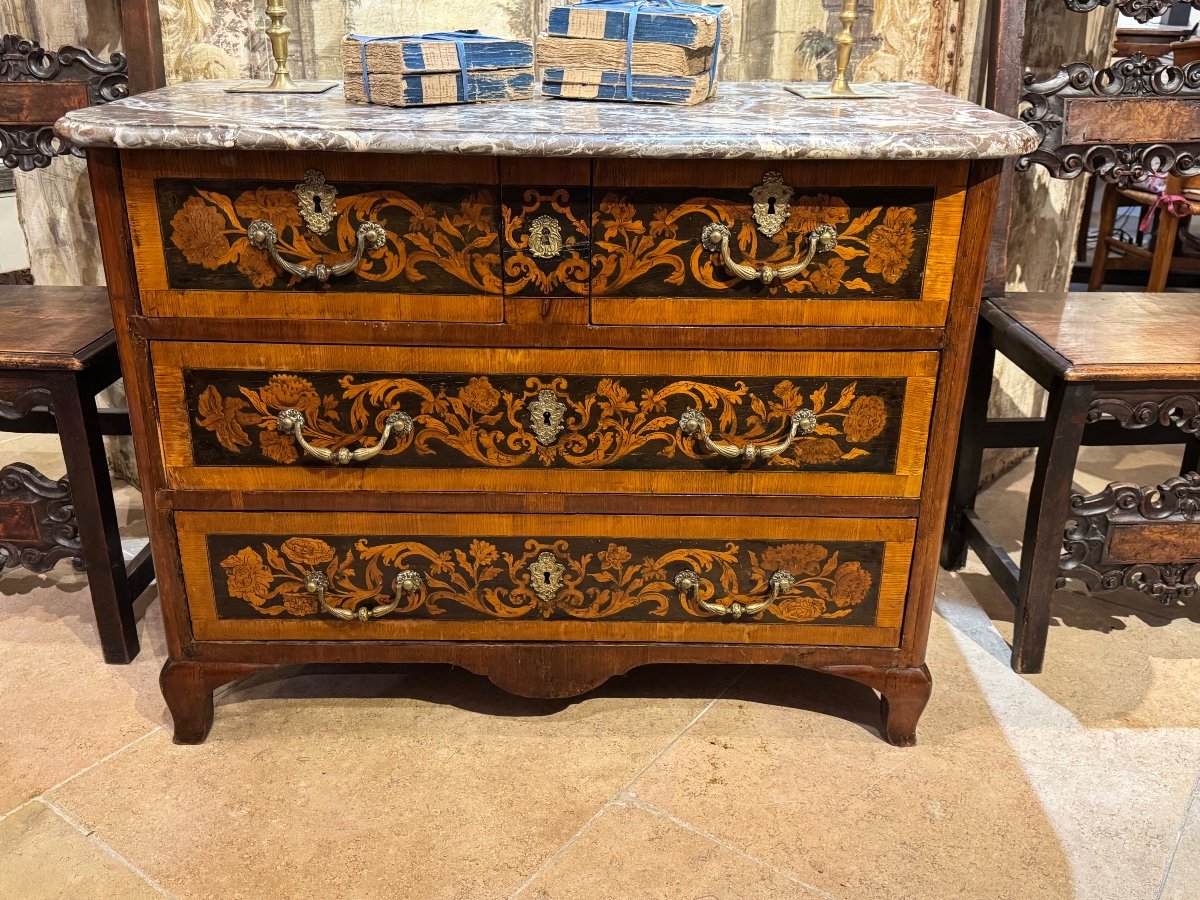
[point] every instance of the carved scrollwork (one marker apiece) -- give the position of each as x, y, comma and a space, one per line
1123, 164
1109, 528
33, 146
1141, 10
19, 405
1181, 411
37, 520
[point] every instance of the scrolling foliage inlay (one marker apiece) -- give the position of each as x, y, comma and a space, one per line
647, 243
440, 239
489, 577
481, 420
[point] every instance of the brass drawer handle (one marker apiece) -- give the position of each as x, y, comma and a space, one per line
291, 421
694, 424
262, 234
688, 582
317, 583
715, 238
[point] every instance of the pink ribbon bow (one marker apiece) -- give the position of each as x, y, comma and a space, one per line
1176, 204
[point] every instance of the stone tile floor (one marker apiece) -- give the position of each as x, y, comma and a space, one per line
686, 782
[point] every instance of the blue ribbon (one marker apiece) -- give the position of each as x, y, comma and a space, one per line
460, 39
636, 6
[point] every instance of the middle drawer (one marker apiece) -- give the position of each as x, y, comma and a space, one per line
342, 418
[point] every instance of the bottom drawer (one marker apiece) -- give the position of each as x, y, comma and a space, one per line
394, 576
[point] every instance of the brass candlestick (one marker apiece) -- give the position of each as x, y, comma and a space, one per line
840, 88
282, 81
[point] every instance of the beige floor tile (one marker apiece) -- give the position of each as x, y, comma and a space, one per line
828, 802
635, 854
1183, 880
42, 857
1115, 660
432, 785
63, 708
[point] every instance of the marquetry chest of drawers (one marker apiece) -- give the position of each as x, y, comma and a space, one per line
546, 390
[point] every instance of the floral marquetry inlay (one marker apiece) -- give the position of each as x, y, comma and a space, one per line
649, 243
437, 239
518, 578
508, 421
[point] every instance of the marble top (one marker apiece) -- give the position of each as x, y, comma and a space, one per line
754, 120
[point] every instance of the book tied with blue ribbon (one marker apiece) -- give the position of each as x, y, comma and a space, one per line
647, 51
436, 68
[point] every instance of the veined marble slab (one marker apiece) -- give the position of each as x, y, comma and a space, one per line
754, 120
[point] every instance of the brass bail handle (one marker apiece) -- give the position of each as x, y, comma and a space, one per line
688, 582
406, 582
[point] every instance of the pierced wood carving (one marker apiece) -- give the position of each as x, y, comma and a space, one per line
1146, 538
19, 405
1141, 10
1077, 137
1181, 411
33, 146
515, 578
37, 520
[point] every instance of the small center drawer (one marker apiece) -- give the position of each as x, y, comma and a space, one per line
319, 417
348, 576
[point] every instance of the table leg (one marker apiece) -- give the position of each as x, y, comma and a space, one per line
1049, 500
91, 490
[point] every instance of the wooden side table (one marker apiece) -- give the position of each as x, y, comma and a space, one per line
57, 352
1120, 369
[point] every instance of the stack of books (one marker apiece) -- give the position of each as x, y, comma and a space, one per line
436, 68
652, 51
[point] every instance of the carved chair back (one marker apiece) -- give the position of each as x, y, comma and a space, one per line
1123, 123
38, 86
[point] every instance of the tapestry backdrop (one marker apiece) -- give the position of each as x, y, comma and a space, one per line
932, 41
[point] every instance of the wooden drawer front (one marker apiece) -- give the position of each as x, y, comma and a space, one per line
546, 242
543, 420
496, 577
190, 215
897, 237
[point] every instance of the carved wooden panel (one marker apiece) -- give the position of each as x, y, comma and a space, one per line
51, 83
1141, 10
441, 239
1130, 536
1123, 123
37, 521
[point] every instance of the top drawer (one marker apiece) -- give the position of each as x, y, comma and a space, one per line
789, 243
429, 228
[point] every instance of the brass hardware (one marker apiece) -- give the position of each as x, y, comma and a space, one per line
545, 237
545, 576
318, 201
715, 238
688, 582
262, 234
840, 88
406, 581
291, 421
546, 417
282, 82
772, 204
693, 424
